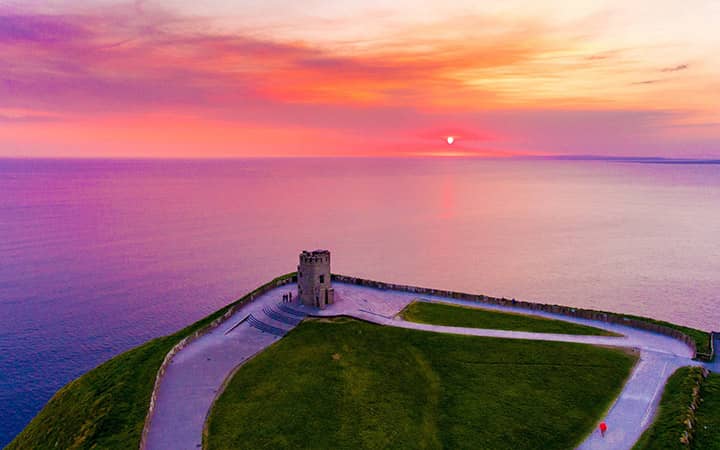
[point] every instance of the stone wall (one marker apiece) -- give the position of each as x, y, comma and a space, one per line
714, 336
228, 312
707, 356
689, 419
556, 309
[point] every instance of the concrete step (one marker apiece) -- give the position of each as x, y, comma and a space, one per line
264, 327
280, 317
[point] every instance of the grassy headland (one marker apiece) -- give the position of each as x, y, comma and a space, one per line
106, 407
460, 316
348, 384
498, 393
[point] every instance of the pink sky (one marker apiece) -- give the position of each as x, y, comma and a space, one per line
355, 78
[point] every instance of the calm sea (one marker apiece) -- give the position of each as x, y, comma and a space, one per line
98, 256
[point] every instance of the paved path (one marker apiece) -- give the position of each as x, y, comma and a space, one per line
636, 406
197, 372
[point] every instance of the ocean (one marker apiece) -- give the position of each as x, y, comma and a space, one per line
98, 256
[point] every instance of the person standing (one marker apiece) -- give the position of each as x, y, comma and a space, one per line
603, 428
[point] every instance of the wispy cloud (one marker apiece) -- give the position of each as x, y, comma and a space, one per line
646, 82
17, 29
675, 68
35, 118
156, 61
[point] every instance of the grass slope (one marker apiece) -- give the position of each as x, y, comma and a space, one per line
668, 426
707, 435
349, 384
459, 316
106, 407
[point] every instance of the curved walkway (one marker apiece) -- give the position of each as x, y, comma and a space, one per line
197, 372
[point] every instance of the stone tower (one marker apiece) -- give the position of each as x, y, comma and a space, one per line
314, 288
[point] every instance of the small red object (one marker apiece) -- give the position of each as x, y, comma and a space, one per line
603, 428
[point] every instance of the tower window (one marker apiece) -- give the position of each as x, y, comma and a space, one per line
322, 278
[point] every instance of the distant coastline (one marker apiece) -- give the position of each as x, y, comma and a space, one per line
628, 159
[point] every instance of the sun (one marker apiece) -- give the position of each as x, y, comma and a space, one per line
450, 140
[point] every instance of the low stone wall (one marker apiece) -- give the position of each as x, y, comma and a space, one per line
230, 311
689, 419
556, 309
708, 357
714, 336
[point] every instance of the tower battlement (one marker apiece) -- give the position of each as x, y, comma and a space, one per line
315, 257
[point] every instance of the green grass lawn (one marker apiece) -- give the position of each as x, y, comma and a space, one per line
106, 407
349, 384
460, 316
668, 426
707, 435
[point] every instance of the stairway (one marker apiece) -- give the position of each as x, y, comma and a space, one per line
280, 317
265, 328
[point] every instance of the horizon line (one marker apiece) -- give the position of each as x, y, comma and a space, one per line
570, 157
